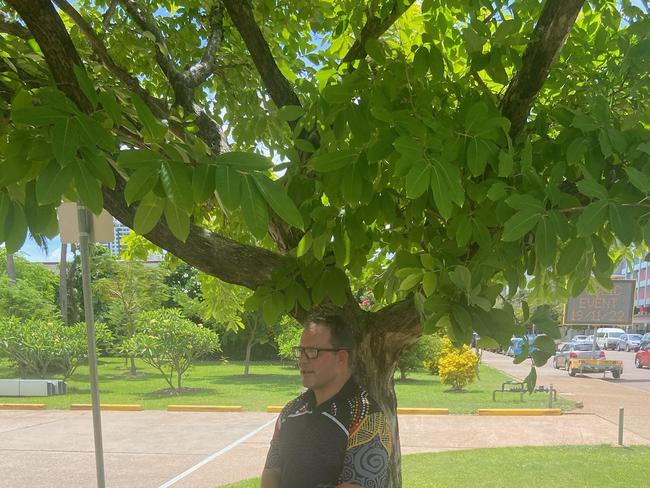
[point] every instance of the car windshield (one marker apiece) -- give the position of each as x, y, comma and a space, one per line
634, 337
584, 346
616, 334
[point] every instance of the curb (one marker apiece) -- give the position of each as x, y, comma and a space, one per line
422, 411
203, 408
519, 411
274, 409
23, 406
108, 406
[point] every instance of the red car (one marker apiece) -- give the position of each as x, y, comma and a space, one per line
642, 357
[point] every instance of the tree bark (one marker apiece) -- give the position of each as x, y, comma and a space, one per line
63, 283
11, 268
247, 361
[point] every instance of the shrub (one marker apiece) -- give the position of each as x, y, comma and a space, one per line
458, 367
42, 348
288, 337
170, 343
435, 349
421, 354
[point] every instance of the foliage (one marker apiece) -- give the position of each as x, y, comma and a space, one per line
41, 348
22, 299
170, 343
41, 279
288, 337
457, 366
424, 353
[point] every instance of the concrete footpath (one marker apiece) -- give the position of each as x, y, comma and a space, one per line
54, 448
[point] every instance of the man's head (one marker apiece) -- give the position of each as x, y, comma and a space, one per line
330, 344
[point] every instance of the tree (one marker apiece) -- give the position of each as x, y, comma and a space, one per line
170, 343
131, 289
444, 151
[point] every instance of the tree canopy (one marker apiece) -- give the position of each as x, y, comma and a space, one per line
442, 153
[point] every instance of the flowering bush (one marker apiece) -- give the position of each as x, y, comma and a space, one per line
457, 367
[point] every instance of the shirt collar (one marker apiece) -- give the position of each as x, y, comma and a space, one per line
348, 389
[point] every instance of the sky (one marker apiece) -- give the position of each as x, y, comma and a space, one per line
32, 252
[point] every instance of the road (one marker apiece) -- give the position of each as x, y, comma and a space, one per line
596, 394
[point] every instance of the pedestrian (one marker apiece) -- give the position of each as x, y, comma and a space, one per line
333, 435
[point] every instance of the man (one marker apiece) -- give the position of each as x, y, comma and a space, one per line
333, 435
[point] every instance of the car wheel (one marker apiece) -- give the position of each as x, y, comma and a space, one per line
566, 365
572, 372
627, 347
637, 363
616, 374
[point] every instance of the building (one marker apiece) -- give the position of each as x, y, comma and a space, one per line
120, 230
638, 271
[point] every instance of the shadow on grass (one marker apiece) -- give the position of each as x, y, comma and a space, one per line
252, 378
411, 381
169, 393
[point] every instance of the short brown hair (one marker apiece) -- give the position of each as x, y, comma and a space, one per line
340, 332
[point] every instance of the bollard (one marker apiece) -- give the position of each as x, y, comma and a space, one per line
621, 412
550, 396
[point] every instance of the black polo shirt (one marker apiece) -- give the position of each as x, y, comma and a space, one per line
345, 439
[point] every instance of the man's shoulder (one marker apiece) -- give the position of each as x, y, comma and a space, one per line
295, 406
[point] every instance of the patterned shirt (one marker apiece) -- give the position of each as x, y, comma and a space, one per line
345, 439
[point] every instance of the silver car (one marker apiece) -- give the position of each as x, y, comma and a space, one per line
577, 350
628, 342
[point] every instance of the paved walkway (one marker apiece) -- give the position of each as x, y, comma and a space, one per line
54, 448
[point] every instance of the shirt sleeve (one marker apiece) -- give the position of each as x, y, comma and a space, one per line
367, 455
273, 456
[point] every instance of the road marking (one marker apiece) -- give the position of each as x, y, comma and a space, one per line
214, 456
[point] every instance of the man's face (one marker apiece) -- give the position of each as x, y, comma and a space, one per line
321, 372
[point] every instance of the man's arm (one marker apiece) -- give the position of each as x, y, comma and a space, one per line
271, 478
347, 485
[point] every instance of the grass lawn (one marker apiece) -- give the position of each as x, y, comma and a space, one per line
530, 467
218, 383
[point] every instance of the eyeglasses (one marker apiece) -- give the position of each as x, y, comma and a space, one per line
312, 352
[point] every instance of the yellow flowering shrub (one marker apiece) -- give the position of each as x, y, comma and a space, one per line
457, 367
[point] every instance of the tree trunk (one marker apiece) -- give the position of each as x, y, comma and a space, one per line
247, 361
133, 371
63, 283
11, 268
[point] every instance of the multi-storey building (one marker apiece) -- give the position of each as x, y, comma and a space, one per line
638, 270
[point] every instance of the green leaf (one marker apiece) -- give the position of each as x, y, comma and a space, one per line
411, 280
464, 232
277, 198
576, 150
570, 255
65, 140
592, 218
175, 179
244, 160
375, 50
100, 168
520, 224
436, 63
15, 228
88, 188
153, 129
86, 85
429, 283
140, 183
476, 157
178, 221
462, 278
139, 158
545, 242
254, 209
203, 185
605, 145
506, 164
584, 122
38, 116
53, 182
421, 62
331, 161
290, 112
446, 187
520, 201
92, 134
589, 187
111, 106
148, 214
418, 179
622, 221
228, 183
638, 179
473, 41
304, 245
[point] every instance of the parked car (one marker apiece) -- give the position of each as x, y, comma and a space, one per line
607, 337
645, 339
578, 350
642, 357
628, 342
579, 338
590, 338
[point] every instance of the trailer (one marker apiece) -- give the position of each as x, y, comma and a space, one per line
582, 366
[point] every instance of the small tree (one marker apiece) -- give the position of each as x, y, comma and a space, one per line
457, 366
288, 337
41, 348
170, 343
423, 352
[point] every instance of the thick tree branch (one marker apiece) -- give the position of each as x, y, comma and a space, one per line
13, 28
374, 28
108, 15
100, 50
201, 71
277, 85
555, 23
44, 23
